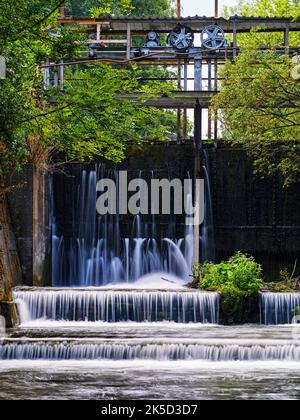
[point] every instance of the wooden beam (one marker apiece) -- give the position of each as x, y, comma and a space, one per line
107, 41
141, 26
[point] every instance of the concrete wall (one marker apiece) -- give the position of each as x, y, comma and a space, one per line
29, 207
250, 214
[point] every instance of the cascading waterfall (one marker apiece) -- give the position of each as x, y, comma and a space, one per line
116, 306
102, 251
148, 351
279, 308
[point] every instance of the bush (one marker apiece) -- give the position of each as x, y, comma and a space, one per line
238, 280
241, 272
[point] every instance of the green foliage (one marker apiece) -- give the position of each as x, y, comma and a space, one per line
260, 111
271, 8
232, 300
90, 118
239, 272
286, 278
259, 101
121, 7
93, 117
27, 38
236, 279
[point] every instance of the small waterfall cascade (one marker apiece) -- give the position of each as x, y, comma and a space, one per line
101, 350
113, 249
120, 305
101, 310
280, 308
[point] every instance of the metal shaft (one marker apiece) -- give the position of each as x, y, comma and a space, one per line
216, 8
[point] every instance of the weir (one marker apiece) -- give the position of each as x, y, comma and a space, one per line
280, 308
74, 350
182, 306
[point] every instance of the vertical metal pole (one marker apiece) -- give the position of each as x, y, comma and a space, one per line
185, 87
287, 38
234, 39
47, 76
216, 114
56, 76
185, 83
198, 126
179, 8
209, 64
179, 83
216, 8
198, 73
179, 113
62, 75
98, 37
128, 54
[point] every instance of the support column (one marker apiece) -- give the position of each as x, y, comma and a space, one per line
198, 73
179, 113
128, 52
198, 126
287, 38
39, 231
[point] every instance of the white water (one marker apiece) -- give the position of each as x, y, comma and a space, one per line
120, 305
48, 350
111, 249
279, 308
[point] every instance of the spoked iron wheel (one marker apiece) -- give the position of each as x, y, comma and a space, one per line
213, 37
181, 38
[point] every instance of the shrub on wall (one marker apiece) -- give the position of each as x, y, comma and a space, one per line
236, 279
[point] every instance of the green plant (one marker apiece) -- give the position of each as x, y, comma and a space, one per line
232, 300
236, 279
286, 278
241, 272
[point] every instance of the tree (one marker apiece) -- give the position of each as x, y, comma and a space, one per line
119, 7
92, 118
26, 40
259, 102
32, 117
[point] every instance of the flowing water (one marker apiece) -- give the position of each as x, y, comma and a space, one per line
280, 308
112, 249
120, 323
181, 306
174, 361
